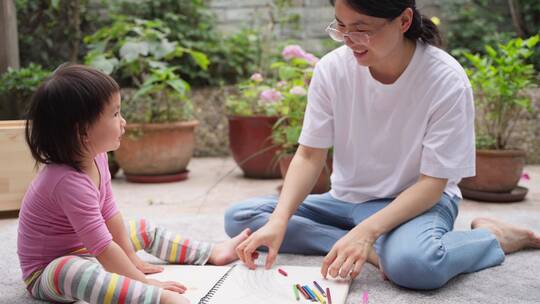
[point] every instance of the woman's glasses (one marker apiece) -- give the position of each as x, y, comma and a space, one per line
355, 37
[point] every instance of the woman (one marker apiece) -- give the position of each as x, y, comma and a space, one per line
401, 122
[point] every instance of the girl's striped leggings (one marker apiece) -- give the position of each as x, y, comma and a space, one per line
79, 276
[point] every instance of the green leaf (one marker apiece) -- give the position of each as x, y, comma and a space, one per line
106, 65
132, 49
201, 59
179, 86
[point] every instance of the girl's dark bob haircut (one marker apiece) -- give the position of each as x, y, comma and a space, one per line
62, 109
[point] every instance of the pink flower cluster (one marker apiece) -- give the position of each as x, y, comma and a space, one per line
296, 51
270, 96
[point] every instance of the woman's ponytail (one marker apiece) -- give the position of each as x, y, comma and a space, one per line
424, 29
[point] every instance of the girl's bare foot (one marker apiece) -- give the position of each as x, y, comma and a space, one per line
512, 238
171, 297
225, 252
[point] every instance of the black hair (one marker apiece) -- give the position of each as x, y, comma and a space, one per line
421, 27
62, 109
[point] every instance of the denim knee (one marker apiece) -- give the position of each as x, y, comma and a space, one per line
415, 269
232, 226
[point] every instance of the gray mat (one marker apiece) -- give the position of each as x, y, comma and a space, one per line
516, 281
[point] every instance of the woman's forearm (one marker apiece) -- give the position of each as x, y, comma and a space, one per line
418, 198
302, 175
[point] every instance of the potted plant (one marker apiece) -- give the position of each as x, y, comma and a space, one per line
252, 112
159, 139
500, 80
294, 73
16, 89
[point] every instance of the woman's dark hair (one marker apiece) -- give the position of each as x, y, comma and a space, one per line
421, 27
64, 106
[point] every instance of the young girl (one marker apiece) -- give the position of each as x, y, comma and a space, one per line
399, 113
69, 218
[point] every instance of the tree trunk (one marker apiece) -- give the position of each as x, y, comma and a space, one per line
517, 18
76, 26
9, 52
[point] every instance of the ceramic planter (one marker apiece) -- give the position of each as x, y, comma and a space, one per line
156, 152
497, 175
323, 182
252, 147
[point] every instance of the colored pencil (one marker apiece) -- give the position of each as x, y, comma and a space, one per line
310, 293
303, 292
365, 298
319, 288
328, 295
319, 298
296, 295
282, 272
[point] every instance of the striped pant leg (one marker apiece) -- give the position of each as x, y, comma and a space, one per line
71, 278
166, 245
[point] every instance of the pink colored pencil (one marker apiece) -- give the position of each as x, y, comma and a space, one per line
365, 298
328, 297
282, 272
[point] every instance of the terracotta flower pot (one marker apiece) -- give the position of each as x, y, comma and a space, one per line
323, 183
151, 150
497, 171
252, 147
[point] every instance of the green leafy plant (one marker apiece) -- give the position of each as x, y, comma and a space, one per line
471, 24
17, 87
500, 78
192, 23
138, 53
50, 31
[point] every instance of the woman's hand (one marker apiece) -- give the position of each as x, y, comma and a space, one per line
167, 285
348, 254
145, 267
270, 235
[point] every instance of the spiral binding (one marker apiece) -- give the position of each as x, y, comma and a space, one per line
206, 299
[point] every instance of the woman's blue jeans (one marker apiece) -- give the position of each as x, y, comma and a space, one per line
423, 253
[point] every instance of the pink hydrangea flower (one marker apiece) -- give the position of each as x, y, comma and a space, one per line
296, 51
257, 77
293, 51
312, 59
298, 90
526, 176
270, 96
281, 84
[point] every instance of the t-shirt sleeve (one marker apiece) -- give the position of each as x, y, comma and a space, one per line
109, 208
318, 126
79, 200
449, 143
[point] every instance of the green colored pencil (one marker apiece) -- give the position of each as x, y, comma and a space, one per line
295, 290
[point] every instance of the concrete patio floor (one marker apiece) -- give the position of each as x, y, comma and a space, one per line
197, 205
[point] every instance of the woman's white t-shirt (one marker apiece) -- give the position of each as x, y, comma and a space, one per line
385, 136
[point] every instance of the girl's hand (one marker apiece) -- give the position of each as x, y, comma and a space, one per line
145, 267
348, 255
167, 285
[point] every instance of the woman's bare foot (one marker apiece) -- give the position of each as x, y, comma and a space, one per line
225, 252
171, 297
512, 238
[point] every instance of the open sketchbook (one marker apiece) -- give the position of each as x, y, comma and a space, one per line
239, 285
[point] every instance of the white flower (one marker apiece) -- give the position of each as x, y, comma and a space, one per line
298, 90
257, 77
